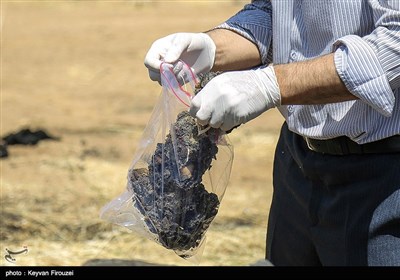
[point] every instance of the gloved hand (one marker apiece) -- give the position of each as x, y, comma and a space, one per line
234, 98
195, 49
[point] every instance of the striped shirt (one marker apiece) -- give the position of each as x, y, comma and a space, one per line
365, 37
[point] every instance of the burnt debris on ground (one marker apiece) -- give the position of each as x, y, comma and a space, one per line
23, 137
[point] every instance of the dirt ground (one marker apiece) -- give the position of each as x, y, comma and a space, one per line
75, 69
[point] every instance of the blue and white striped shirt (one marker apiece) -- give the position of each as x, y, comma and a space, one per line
365, 36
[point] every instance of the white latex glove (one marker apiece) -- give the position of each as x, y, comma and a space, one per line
234, 98
196, 49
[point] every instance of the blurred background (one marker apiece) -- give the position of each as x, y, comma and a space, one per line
75, 70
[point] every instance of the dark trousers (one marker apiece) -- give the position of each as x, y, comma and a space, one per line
333, 210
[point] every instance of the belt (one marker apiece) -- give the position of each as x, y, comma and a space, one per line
345, 146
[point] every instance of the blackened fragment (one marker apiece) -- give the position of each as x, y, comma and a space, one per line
170, 193
27, 137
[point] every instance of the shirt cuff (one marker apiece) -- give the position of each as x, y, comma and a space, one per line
359, 68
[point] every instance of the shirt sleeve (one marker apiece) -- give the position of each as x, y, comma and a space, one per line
369, 66
254, 22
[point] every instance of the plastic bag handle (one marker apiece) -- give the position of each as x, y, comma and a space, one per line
168, 79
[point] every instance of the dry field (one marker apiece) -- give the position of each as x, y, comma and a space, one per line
75, 69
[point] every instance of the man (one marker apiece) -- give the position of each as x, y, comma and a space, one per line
335, 78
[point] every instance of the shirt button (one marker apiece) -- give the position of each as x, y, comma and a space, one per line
290, 108
293, 55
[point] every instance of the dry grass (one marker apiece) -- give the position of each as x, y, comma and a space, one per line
76, 70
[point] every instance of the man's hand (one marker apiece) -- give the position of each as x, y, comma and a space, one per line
233, 98
195, 49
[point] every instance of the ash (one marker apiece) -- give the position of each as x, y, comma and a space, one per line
169, 193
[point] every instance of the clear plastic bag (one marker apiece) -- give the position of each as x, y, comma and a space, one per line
179, 173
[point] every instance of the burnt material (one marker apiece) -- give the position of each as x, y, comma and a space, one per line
27, 137
23, 137
3, 149
170, 194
